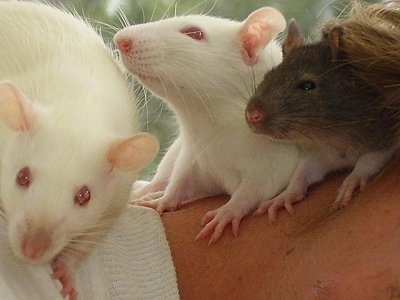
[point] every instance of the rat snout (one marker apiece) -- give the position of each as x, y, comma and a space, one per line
35, 244
124, 43
255, 115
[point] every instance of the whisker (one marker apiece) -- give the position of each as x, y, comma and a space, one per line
154, 10
211, 8
166, 13
192, 9
122, 17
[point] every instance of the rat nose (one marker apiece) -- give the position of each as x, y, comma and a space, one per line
255, 115
34, 245
124, 44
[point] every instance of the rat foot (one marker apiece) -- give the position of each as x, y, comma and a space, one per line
215, 221
285, 199
62, 273
160, 204
147, 197
142, 189
347, 189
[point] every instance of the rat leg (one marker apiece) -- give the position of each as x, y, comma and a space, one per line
240, 204
161, 179
148, 196
62, 272
310, 169
182, 186
65, 263
367, 166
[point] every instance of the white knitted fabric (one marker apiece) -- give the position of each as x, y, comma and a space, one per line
133, 262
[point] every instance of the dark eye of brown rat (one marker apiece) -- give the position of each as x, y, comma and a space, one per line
194, 33
82, 196
23, 177
307, 85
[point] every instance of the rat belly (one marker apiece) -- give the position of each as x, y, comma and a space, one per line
263, 169
250, 174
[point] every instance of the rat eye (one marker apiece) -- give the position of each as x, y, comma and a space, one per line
307, 85
23, 177
194, 32
82, 196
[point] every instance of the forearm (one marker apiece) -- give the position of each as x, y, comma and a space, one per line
348, 254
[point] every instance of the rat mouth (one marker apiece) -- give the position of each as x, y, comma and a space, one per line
273, 132
145, 78
142, 74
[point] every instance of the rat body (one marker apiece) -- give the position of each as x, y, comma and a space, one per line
204, 67
70, 145
316, 99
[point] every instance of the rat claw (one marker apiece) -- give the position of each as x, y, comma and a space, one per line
272, 214
216, 235
263, 208
289, 207
235, 226
215, 221
208, 217
205, 231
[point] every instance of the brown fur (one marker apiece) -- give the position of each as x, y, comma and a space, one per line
339, 97
371, 43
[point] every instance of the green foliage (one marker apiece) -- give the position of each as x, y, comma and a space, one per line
155, 114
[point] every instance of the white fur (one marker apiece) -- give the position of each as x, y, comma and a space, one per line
207, 84
82, 105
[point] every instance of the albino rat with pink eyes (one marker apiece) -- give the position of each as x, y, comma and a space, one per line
70, 145
205, 67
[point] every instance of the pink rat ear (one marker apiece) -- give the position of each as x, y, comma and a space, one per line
133, 153
16, 111
258, 30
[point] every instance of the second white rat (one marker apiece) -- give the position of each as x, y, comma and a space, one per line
205, 67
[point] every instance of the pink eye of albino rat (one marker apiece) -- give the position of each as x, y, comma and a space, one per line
82, 196
194, 32
23, 177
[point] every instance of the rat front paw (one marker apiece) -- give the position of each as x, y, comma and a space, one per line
160, 204
215, 221
148, 197
283, 200
349, 186
142, 189
62, 273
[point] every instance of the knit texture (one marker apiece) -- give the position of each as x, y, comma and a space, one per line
133, 262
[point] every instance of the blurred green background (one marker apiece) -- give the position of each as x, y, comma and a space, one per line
109, 15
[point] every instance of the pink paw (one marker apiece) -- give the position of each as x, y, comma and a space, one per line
61, 273
215, 221
142, 189
284, 200
159, 204
147, 197
349, 186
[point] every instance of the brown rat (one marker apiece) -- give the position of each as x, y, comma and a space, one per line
322, 101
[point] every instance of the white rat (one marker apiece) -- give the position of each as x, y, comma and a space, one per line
204, 67
70, 145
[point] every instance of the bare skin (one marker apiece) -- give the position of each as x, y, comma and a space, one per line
353, 253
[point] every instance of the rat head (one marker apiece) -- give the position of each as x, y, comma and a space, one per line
59, 184
311, 94
196, 56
